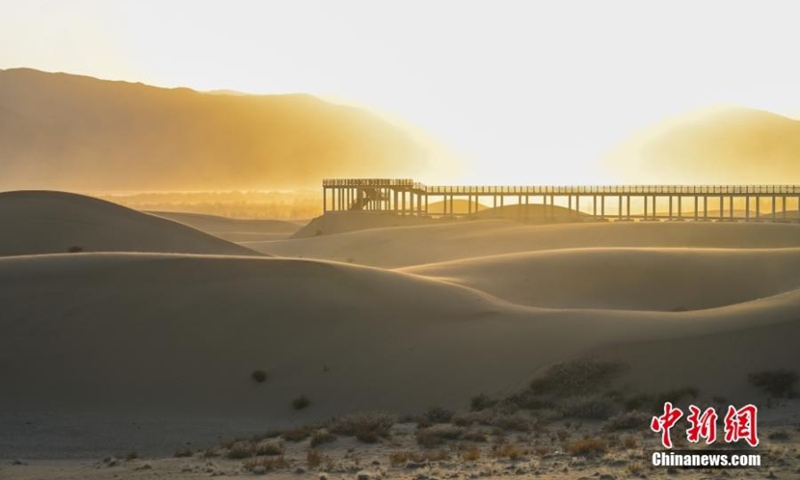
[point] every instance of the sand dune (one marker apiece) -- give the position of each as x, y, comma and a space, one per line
533, 213
33, 222
234, 229
209, 321
342, 222
416, 245
626, 278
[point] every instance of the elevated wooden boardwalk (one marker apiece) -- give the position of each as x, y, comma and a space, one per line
678, 202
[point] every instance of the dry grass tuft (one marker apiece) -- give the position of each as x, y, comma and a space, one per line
241, 449
507, 450
587, 447
471, 455
368, 427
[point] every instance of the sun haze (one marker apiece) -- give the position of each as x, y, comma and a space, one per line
520, 92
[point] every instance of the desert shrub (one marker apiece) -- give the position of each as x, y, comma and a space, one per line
507, 450
776, 383
628, 420
322, 437
259, 376
635, 469
183, 453
587, 446
462, 420
269, 464
480, 402
131, 456
655, 402
297, 434
517, 422
437, 414
367, 427
630, 442
301, 402
526, 399
241, 449
575, 377
314, 459
436, 435
471, 455
210, 453
269, 449
588, 407
75, 249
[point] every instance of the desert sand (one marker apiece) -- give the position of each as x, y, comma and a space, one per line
136, 345
235, 229
37, 222
392, 247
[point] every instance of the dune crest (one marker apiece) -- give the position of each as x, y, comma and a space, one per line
627, 278
37, 222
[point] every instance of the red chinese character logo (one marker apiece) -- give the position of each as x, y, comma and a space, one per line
665, 422
741, 424
703, 425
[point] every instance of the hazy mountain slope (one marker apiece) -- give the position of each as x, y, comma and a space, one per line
723, 145
60, 131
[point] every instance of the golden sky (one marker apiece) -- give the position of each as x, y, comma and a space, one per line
516, 88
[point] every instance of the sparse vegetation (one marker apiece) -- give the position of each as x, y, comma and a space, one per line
301, 402
241, 449
635, 468
587, 446
656, 401
594, 407
480, 402
577, 377
131, 456
507, 450
183, 453
471, 455
297, 434
322, 437
314, 459
259, 376
367, 427
437, 414
628, 420
630, 442
75, 249
269, 449
479, 437
776, 383
436, 435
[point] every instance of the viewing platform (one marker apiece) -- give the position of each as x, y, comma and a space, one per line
404, 196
